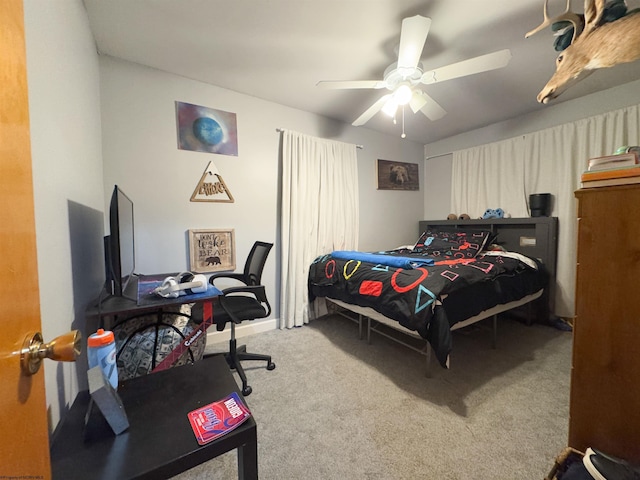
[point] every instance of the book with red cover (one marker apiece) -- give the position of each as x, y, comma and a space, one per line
633, 171
217, 418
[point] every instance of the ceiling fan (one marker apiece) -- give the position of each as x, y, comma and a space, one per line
403, 77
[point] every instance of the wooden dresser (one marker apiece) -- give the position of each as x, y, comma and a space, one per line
605, 379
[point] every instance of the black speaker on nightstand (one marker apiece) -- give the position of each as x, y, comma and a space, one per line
540, 204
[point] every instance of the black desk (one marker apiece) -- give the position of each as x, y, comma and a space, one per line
110, 306
159, 442
108, 310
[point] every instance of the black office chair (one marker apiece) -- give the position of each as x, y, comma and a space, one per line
240, 303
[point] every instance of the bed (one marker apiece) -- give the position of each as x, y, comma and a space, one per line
456, 274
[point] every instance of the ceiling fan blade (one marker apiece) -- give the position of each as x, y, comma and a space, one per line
418, 100
412, 37
330, 85
483, 63
371, 111
428, 106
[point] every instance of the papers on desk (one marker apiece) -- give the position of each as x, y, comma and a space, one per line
217, 418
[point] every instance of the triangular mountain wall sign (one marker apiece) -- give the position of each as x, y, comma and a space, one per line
211, 187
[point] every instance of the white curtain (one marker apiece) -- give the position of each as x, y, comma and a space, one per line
319, 213
483, 178
504, 174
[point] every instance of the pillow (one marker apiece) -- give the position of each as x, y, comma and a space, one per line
452, 243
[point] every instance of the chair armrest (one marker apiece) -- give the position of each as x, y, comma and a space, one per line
258, 291
233, 276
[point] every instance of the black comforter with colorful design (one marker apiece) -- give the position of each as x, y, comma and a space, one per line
417, 294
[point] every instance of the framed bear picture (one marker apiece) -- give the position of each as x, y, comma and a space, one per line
397, 175
212, 250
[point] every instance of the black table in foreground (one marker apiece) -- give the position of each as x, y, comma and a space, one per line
159, 442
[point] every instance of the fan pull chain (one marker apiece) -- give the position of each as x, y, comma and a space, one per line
403, 134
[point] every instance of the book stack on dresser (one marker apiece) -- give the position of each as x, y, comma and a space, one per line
619, 169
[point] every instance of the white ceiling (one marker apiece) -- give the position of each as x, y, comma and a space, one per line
278, 50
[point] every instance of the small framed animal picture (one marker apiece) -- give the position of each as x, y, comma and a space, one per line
212, 250
398, 175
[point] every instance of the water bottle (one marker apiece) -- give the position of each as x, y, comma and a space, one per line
102, 353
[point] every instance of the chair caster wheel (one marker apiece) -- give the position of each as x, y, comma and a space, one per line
247, 391
271, 366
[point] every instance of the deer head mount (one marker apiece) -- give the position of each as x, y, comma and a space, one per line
596, 42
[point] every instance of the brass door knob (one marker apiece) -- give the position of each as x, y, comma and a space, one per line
64, 348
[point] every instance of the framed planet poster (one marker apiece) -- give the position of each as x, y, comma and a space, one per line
203, 129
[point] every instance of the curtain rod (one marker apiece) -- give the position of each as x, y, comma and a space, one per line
438, 155
280, 130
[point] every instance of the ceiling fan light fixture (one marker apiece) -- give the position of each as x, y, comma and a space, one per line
390, 107
403, 94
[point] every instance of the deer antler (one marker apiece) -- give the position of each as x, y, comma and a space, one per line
567, 15
593, 11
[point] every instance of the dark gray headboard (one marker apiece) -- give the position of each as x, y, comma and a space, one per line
535, 237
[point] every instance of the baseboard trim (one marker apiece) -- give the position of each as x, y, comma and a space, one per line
243, 330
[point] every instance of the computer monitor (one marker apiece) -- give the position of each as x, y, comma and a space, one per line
120, 243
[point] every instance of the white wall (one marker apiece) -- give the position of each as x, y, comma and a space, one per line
141, 156
64, 109
551, 115
437, 191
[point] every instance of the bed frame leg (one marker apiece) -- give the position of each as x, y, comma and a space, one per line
428, 354
530, 313
360, 326
494, 340
369, 330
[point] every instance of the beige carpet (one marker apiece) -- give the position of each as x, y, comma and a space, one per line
337, 408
